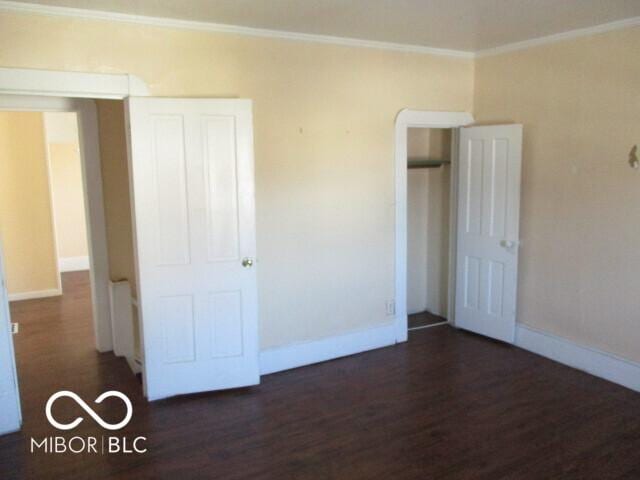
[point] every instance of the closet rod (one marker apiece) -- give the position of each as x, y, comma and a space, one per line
427, 164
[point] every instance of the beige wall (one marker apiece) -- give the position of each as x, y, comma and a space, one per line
438, 241
68, 200
26, 225
117, 203
579, 101
418, 143
429, 143
417, 226
115, 184
324, 125
324, 143
67, 191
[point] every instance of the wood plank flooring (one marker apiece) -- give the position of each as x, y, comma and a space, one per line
445, 405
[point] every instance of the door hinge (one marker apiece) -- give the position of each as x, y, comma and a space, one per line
15, 327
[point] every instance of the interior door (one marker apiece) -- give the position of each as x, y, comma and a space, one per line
490, 160
10, 416
192, 178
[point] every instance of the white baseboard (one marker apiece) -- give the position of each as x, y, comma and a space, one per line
134, 365
73, 264
596, 362
15, 297
301, 354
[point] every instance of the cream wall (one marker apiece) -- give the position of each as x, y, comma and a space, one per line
67, 191
438, 240
323, 124
417, 226
115, 189
418, 142
579, 101
26, 227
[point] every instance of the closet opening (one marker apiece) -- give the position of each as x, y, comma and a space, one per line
429, 155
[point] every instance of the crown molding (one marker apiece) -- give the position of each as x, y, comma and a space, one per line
558, 37
83, 13
18, 7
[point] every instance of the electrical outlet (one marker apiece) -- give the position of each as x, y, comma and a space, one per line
391, 307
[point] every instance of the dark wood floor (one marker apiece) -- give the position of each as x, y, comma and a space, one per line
445, 405
424, 319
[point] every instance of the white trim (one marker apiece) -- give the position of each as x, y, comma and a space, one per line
422, 327
21, 81
301, 354
16, 297
121, 318
406, 119
73, 264
596, 362
88, 14
453, 224
134, 365
559, 37
133, 83
95, 219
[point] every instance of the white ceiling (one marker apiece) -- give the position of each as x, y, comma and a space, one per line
468, 25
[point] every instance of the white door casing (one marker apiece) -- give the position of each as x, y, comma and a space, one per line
417, 119
490, 160
192, 180
10, 416
45, 90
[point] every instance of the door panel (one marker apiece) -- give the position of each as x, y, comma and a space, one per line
222, 192
488, 229
10, 415
193, 191
170, 190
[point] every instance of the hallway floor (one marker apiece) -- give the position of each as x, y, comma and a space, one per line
445, 405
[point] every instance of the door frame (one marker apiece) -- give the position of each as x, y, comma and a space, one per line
421, 119
47, 90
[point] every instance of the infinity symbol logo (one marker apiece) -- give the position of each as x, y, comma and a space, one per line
89, 410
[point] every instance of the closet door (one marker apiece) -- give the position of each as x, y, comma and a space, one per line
193, 190
490, 158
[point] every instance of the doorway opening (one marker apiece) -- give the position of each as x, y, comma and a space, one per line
42, 207
52, 91
424, 120
58, 275
428, 242
45, 249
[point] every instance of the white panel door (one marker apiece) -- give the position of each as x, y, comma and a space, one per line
10, 416
488, 230
194, 206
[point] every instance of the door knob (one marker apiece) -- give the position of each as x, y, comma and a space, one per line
508, 244
247, 262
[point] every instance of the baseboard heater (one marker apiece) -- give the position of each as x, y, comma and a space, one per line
122, 327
